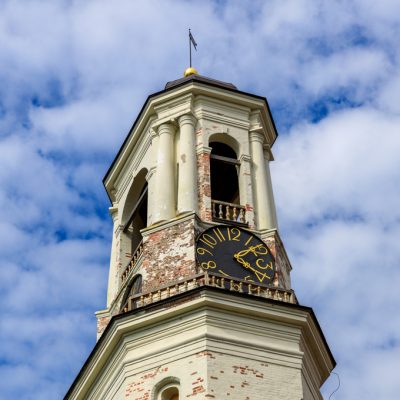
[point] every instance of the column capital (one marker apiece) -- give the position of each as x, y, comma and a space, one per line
166, 128
150, 173
268, 153
187, 119
244, 158
113, 212
203, 150
153, 133
255, 136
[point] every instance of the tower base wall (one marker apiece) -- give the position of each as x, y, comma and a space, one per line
209, 344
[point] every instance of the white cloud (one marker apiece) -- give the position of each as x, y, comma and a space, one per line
345, 164
337, 190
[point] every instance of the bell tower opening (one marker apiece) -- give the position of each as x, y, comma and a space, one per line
224, 173
138, 220
136, 210
134, 288
225, 195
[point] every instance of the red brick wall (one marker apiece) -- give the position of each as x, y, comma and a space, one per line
204, 186
168, 255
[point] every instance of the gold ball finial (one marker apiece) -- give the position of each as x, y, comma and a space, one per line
190, 71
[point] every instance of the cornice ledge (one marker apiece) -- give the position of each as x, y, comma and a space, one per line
190, 215
171, 110
317, 347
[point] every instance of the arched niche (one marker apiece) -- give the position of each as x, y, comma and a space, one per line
135, 210
167, 389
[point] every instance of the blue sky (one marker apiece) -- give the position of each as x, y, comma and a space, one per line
73, 76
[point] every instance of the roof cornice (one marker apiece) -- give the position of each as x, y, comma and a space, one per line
198, 85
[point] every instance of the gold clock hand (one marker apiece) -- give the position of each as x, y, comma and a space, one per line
251, 249
260, 275
240, 260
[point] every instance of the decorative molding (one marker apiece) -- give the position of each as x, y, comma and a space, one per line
268, 153
245, 158
150, 173
203, 150
167, 224
203, 114
167, 128
199, 91
113, 212
171, 110
153, 133
187, 119
255, 136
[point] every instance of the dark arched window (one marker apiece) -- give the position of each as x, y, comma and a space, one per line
137, 218
224, 173
224, 170
133, 289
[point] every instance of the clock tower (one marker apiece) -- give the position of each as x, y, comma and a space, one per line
199, 302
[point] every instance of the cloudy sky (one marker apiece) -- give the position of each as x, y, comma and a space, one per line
73, 76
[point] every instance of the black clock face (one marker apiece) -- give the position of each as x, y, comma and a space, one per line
235, 253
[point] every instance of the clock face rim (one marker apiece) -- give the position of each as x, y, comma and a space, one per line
235, 261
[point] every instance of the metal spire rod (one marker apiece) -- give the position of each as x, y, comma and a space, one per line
190, 50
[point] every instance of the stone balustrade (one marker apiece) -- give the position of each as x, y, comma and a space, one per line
132, 263
224, 211
213, 280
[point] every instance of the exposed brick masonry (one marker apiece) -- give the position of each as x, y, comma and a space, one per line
204, 185
168, 255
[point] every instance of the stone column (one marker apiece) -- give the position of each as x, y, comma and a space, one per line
246, 189
187, 185
270, 193
265, 207
151, 179
164, 201
115, 258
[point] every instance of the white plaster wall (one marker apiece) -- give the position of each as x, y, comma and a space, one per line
215, 344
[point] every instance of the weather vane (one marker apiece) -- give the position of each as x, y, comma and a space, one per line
191, 41
191, 71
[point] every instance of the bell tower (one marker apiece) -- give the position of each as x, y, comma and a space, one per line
199, 301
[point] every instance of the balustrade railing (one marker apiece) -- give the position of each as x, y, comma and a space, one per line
132, 263
222, 210
213, 280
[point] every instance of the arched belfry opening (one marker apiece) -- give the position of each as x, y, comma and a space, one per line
224, 173
225, 194
136, 210
133, 289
